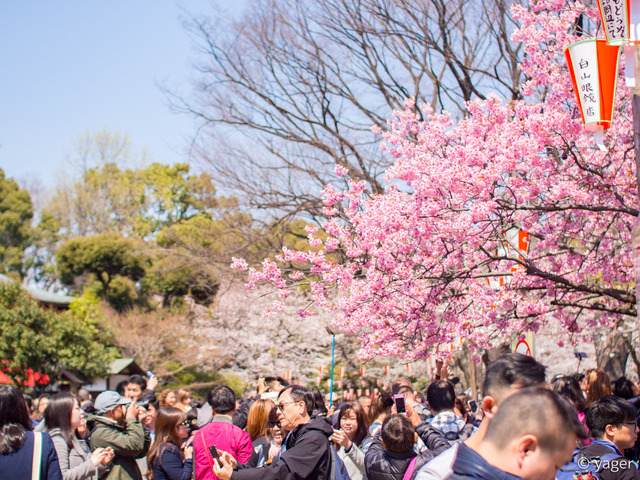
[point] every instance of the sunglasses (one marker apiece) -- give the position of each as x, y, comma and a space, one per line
187, 423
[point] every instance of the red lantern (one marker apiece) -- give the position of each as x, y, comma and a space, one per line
594, 71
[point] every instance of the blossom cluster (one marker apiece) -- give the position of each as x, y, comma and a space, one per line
430, 261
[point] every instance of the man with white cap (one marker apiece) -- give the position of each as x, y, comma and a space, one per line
117, 426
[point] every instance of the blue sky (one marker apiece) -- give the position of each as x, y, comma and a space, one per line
81, 65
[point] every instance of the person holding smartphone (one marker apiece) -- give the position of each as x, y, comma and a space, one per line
166, 460
349, 437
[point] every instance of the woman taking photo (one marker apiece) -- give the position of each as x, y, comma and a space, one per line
63, 417
348, 438
17, 441
165, 459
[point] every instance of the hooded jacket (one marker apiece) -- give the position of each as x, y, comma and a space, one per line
128, 441
383, 464
307, 456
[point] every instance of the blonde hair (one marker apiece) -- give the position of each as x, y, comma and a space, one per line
182, 394
598, 384
258, 418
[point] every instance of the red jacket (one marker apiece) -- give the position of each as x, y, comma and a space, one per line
226, 437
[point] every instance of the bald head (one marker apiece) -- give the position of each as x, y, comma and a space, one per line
538, 412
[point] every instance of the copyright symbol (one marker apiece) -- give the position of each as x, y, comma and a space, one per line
583, 462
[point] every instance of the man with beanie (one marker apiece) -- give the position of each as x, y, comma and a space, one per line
117, 426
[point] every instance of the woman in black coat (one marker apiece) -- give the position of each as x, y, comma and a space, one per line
166, 460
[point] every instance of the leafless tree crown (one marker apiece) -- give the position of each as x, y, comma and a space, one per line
295, 86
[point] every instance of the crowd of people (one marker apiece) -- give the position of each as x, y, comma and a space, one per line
524, 426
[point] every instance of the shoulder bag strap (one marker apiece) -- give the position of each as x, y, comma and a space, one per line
332, 471
37, 456
410, 467
206, 452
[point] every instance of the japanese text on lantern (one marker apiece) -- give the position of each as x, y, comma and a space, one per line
614, 13
588, 88
585, 65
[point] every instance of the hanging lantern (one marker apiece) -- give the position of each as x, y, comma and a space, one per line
594, 71
621, 21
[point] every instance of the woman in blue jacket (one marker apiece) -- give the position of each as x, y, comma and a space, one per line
20, 448
165, 458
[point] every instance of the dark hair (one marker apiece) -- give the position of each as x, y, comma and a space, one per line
535, 411
192, 418
512, 369
271, 380
623, 388
300, 394
441, 396
570, 389
273, 418
28, 401
462, 405
222, 399
380, 404
319, 407
58, 415
149, 398
121, 386
398, 433
363, 426
168, 419
609, 410
14, 419
138, 380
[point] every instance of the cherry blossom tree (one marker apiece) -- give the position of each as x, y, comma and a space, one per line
433, 259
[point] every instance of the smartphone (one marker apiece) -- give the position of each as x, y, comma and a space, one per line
149, 374
400, 405
472, 405
216, 456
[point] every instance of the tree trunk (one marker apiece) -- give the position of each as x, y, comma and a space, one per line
612, 352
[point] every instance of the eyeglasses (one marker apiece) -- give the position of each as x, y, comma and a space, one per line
631, 425
282, 406
186, 423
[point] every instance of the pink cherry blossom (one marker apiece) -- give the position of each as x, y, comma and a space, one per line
439, 256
